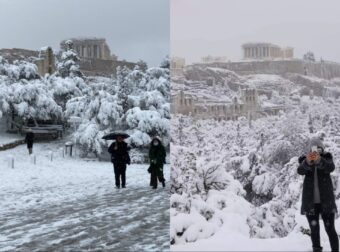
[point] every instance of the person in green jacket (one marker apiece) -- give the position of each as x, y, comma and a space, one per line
157, 156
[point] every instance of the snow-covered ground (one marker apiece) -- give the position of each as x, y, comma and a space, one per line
233, 235
225, 241
9, 138
71, 204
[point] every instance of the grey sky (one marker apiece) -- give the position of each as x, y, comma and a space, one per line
219, 27
134, 29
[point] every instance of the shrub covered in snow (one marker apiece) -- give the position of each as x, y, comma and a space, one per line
137, 101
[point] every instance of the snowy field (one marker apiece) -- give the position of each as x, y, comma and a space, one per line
71, 204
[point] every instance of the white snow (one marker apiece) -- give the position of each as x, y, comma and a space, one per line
71, 203
235, 184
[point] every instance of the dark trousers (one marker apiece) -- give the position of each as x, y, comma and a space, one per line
328, 221
30, 147
120, 170
156, 175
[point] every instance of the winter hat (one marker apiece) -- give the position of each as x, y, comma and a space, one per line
156, 138
316, 141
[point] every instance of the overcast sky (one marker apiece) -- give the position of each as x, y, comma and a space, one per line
134, 29
220, 27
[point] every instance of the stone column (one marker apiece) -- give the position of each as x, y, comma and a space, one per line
264, 52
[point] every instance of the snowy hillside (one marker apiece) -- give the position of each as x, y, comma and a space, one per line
235, 184
221, 85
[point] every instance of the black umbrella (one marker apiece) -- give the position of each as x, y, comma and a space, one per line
115, 135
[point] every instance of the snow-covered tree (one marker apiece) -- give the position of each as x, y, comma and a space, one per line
137, 101
69, 62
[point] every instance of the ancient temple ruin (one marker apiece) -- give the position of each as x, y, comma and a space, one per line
247, 105
46, 61
95, 56
90, 48
266, 51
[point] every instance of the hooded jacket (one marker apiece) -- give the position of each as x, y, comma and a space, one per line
324, 168
157, 154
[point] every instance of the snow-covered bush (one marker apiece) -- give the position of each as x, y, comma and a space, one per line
29, 99
136, 101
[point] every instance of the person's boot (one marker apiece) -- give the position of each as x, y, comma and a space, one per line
117, 186
163, 183
317, 249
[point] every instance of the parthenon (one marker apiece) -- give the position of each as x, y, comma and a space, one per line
266, 51
90, 48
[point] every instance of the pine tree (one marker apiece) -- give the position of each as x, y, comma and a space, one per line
69, 63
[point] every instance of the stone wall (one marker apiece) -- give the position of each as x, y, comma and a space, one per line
326, 70
99, 67
46, 62
18, 54
11, 145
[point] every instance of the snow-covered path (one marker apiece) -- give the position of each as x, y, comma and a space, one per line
71, 204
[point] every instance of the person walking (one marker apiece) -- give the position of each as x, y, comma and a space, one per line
317, 195
29, 140
120, 158
157, 155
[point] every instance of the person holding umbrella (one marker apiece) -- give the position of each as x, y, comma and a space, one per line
119, 157
157, 156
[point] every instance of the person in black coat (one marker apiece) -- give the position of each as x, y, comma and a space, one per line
29, 140
120, 158
157, 155
317, 195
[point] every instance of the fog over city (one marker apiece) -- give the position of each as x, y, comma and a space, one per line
219, 27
